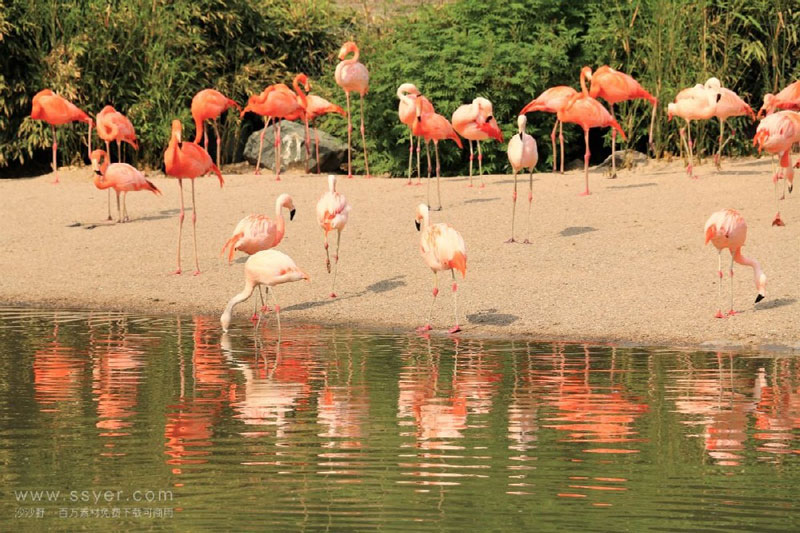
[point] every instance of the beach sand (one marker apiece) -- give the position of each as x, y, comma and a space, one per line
626, 264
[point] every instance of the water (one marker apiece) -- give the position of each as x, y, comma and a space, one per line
337, 429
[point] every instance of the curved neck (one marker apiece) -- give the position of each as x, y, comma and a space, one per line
584, 90
740, 258
242, 296
353, 59
300, 94
405, 98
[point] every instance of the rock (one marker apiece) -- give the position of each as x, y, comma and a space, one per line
332, 152
626, 157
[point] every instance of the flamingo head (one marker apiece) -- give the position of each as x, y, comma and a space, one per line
713, 84
767, 107
177, 130
670, 111
303, 79
491, 128
421, 216
587, 72
284, 200
522, 121
97, 156
761, 285
348, 47
407, 88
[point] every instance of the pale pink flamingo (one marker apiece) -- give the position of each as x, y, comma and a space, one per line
728, 105
614, 87
695, 103
121, 177
776, 134
267, 267
210, 104
351, 75
187, 160
552, 101
727, 229
56, 110
433, 127
588, 113
475, 122
406, 110
313, 106
332, 213
522, 153
442, 248
114, 126
788, 98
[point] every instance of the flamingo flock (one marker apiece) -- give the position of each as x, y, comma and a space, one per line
442, 247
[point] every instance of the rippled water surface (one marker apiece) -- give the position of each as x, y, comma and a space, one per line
111, 421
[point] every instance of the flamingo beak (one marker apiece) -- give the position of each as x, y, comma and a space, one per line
759, 298
291, 214
416, 223
492, 130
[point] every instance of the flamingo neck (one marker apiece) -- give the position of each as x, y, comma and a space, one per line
406, 99
752, 263
300, 94
225, 319
584, 90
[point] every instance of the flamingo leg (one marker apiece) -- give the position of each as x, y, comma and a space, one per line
55, 148
316, 137
690, 168
205, 137
327, 254
119, 151
271, 290
264, 307
719, 285
471, 157
561, 140
513, 207
427, 326
731, 312
119, 213
428, 152
308, 144
410, 156
419, 167
219, 143
349, 136
108, 196
276, 126
718, 158
180, 226
364, 139
777, 220
261, 145
256, 315
530, 202
456, 328
125, 216
586, 162
194, 232
336, 260
613, 146
480, 164
438, 170
553, 141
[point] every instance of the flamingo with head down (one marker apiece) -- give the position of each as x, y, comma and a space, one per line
433, 127
552, 100
121, 177
776, 134
276, 102
406, 110
476, 122
114, 126
210, 104
313, 106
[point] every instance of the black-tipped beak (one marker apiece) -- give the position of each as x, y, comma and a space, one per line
416, 223
759, 298
719, 97
100, 174
180, 145
291, 214
790, 188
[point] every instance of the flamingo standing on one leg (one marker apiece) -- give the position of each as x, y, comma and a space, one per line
210, 104
442, 248
788, 98
267, 267
121, 177
552, 100
729, 105
274, 103
695, 103
56, 110
433, 127
614, 87
184, 159
313, 106
351, 75
114, 126
475, 122
522, 153
588, 113
332, 214
776, 134
406, 110
727, 229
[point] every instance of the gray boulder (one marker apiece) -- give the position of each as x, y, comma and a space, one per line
332, 152
625, 157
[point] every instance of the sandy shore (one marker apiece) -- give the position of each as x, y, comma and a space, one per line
626, 264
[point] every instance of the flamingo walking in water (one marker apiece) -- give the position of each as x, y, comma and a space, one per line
114, 126
313, 106
210, 104
406, 110
351, 75
588, 113
475, 122
727, 229
332, 214
433, 127
522, 153
776, 134
187, 160
267, 267
788, 99
614, 87
695, 103
121, 177
56, 110
276, 102
728, 105
552, 100
442, 248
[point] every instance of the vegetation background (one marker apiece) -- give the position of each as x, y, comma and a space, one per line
149, 57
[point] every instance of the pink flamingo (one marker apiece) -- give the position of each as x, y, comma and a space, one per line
475, 122
114, 126
442, 248
210, 104
614, 87
727, 229
728, 105
267, 267
121, 177
788, 98
588, 113
184, 159
313, 106
696, 103
351, 75
522, 153
776, 134
552, 100
406, 110
56, 110
332, 214
433, 127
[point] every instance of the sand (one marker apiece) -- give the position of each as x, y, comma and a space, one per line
626, 264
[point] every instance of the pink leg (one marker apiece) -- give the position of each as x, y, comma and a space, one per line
586, 163
410, 157
308, 145
553, 141
419, 168
719, 286
438, 172
219, 144
530, 202
316, 137
428, 327
180, 226
561, 140
613, 147
261, 146
55, 148
364, 139
277, 130
690, 168
456, 328
108, 151
480, 164
194, 232
471, 157
731, 312
513, 208
349, 136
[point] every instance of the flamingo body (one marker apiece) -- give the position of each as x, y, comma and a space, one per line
776, 134
788, 98
255, 233
522, 153
114, 126
552, 100
121, 177
476, 122
332, 214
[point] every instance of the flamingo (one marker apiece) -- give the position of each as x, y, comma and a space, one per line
728, 105
522, 153
274, 103
788, 98
267, 267
332, 214
614, 87
351, 75
442, 248
696, 103
776, 134
313, 106
727, 229
588, 113
114, 126
184, 159
433, 127
210, 104
552, 100
408, 94
475, 122
121, 177
56, 110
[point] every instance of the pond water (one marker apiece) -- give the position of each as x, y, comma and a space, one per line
112, 421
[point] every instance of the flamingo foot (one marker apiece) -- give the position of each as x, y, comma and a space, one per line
510, 240
409, 183
526, 241
717, 162
585, 193
483, 186
719, 314
109, 218
469, 186
178, 272
423, 329
436, 208
333, 295
196, 273
277, 178
257, 172
328, 265
254, 318
349, 176
417, 184
778, 221
731, 312
454, 329
367, 176
613, 176
265, 309
55, 182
